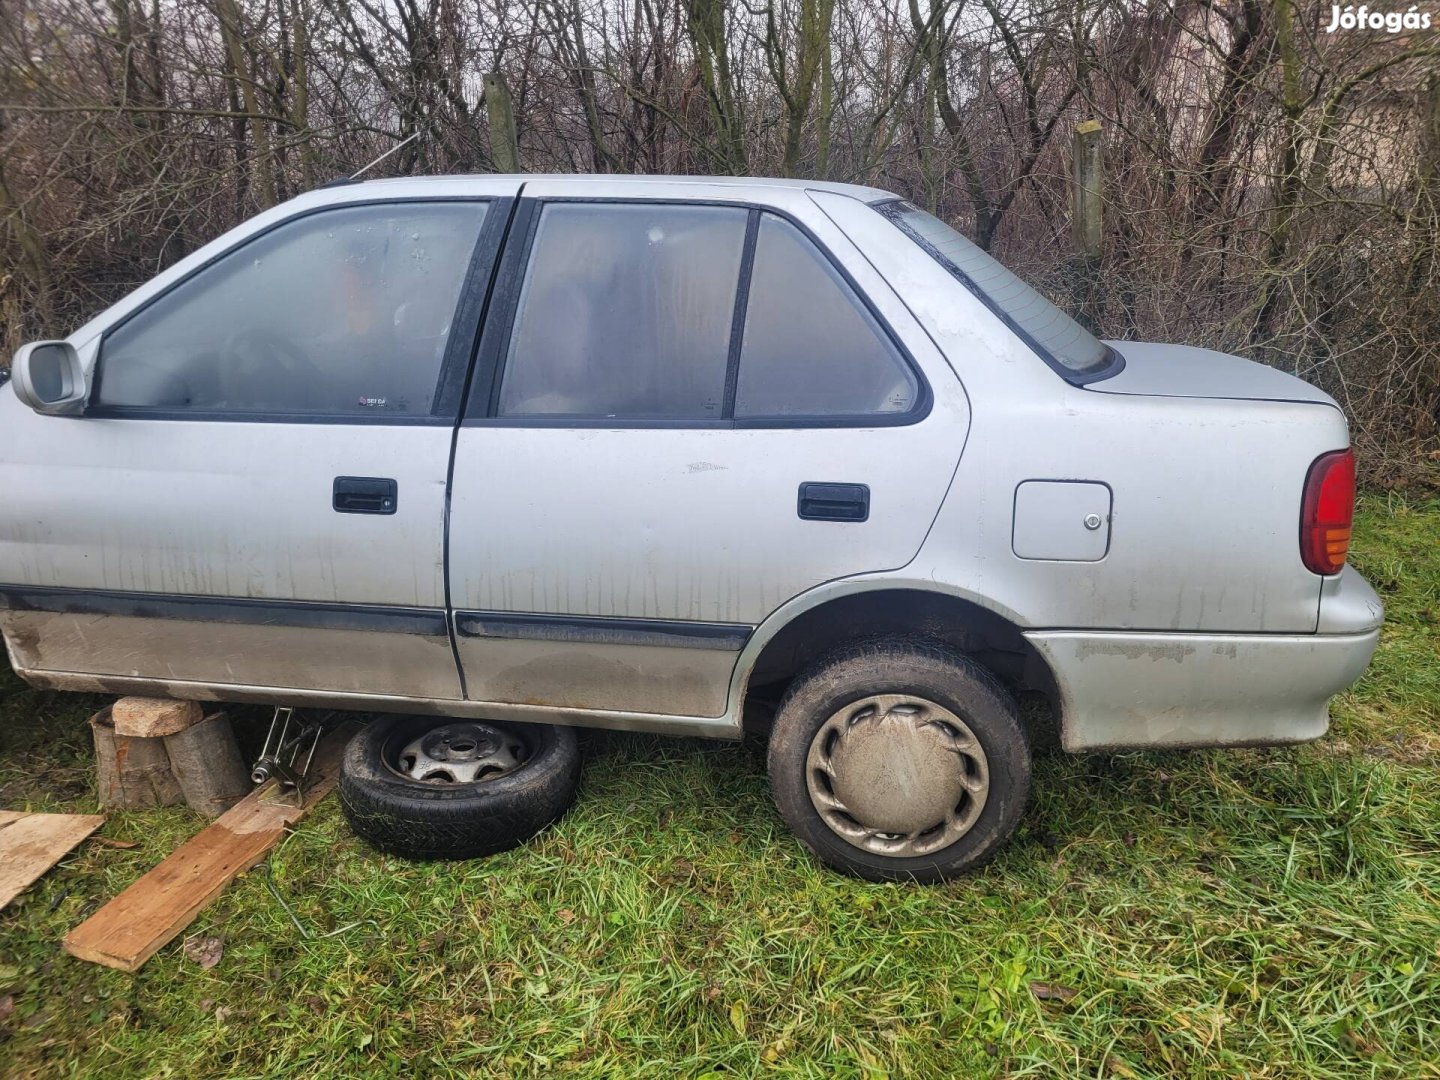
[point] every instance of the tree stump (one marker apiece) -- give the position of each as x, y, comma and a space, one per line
150, 718
133, 772
157, 752
206, 761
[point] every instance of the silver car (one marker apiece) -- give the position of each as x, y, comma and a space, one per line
679, 455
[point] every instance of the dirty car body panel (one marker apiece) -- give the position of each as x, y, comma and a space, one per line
666, 519
497, 531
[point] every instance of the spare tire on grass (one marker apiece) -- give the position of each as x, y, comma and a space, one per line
425, 787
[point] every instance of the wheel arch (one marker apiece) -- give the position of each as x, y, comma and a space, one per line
824, 619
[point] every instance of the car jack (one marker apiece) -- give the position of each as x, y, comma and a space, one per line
280, 758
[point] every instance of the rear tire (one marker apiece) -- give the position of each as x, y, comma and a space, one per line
456, 818
899, 760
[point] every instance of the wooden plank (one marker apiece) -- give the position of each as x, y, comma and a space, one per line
131, 928
30, 844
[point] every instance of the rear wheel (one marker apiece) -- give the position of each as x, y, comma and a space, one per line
428, 788
899, 760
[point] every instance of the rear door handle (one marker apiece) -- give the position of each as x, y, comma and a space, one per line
364, 495
834, 502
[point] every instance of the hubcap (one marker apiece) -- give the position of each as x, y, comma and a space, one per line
897, 775
461, 753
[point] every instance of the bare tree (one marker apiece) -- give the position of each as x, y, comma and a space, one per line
1270, 189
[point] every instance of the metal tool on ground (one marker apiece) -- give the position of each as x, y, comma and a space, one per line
281, 757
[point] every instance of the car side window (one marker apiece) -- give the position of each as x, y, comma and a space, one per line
345, 312
810, 347
625, 312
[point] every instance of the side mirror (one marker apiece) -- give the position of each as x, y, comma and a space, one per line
49, 378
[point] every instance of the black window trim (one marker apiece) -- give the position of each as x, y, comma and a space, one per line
1115, 362
482, 409
454, 365
742, 309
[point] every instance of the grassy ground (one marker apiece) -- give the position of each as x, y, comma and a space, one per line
1262, 913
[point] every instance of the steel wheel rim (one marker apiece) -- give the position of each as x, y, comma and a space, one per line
465, 752
897, 775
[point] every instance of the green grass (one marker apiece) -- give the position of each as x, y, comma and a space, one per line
1258, 913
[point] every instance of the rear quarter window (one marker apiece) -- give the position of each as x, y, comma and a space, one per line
810, 347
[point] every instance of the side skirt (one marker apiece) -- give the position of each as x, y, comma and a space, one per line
708, 727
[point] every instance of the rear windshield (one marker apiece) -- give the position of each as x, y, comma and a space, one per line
1066, 345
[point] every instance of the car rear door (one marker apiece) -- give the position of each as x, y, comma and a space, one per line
255, 496
688, 409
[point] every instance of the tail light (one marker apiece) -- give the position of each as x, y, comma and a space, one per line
1327, 512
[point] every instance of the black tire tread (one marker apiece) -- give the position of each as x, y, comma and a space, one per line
421, 822
876, 659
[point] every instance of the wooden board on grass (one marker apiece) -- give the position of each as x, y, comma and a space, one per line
30, 844
131, 928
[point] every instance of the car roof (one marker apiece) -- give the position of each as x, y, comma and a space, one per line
754, 183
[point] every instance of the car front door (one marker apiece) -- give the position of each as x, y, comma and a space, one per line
688, 409
254, 498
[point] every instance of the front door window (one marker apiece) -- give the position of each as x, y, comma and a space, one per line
342, 313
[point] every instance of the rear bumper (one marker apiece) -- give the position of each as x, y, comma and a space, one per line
1136, 690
